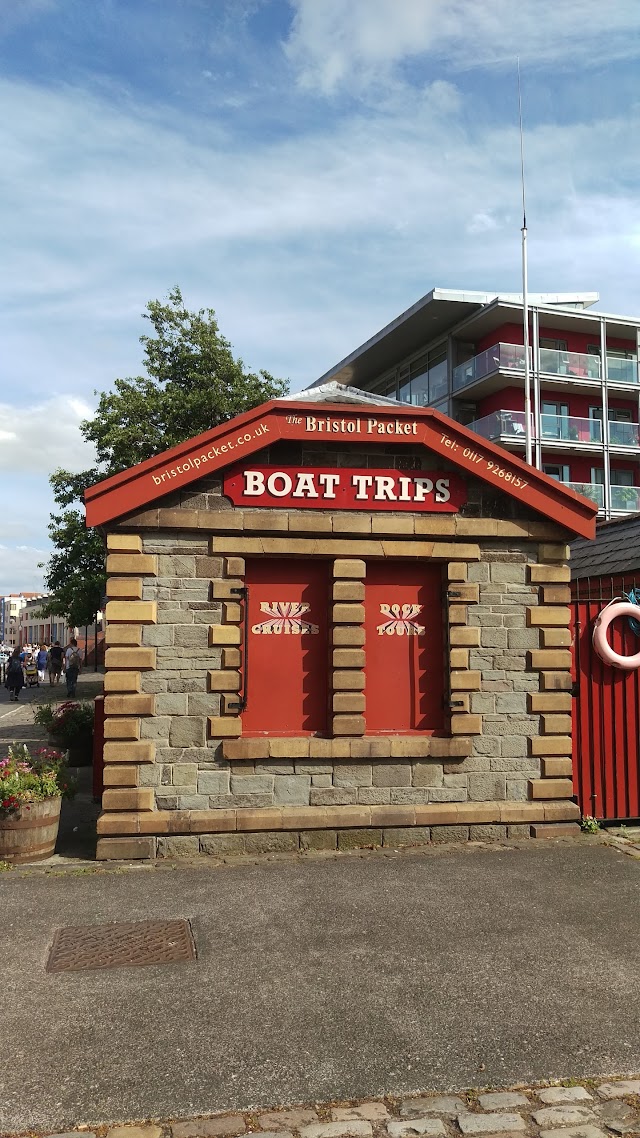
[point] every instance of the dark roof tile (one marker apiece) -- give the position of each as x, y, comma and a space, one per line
614, 550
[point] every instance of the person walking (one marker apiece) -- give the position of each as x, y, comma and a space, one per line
14, 681
72, 666
41, 662
54, 662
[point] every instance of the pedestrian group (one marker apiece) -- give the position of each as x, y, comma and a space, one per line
28, 666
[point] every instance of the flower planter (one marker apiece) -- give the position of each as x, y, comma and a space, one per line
30, 834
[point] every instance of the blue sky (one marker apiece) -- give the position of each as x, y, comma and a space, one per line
307, 169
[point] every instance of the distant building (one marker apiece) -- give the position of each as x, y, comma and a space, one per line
34, 628
462, 353
11, 606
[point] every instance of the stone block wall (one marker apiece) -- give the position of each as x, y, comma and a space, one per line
177, 767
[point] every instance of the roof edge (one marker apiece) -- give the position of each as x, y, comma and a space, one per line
243, 436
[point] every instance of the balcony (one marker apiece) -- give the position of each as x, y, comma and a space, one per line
624, 499
590, 490
621, 371
624, 434
501, 357
576, 365
508, 428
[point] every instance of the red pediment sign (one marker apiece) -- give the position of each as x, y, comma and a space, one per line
344, 488
234, 442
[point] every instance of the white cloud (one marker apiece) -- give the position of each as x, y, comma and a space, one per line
39, 438
304, 245
333, 44
19, 570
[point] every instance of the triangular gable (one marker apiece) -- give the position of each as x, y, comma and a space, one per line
339, 422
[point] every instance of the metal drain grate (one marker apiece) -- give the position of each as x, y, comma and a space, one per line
122, 943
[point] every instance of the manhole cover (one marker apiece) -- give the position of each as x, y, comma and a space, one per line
121, 943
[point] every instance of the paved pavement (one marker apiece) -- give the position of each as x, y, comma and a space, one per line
597, 1111
322, 979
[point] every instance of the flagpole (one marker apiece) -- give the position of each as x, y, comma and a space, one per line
525, 294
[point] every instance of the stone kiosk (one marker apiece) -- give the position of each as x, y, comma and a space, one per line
335, 621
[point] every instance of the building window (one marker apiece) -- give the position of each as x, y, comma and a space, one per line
555, 345
612, 353
425, 380
557, 471
621, 363
616, 477
385, 385
554, 420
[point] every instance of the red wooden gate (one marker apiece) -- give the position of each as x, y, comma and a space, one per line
405, 666
606, 708
286, 656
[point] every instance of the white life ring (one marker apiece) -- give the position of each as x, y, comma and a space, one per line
600, 642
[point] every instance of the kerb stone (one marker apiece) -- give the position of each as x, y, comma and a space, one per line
619, 1090
448, 1106
555, 1096
501, 1100
355, 1129
294, 1118
562, 1115
490, 1123
134, 1132
407, 1128
225, 1127
371, 1111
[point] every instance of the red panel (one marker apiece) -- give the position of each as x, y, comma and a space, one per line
330, 488
606, 712
287, 664
405, 661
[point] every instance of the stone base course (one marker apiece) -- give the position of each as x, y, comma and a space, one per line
511, 1111
186, 833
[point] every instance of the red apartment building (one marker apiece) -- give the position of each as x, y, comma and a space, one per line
462, 352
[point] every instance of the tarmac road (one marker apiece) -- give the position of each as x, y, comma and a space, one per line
322, 979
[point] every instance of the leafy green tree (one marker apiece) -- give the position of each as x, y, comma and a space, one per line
192, 384
75, 574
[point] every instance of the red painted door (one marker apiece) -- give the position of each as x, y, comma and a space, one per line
405, 661
287, 664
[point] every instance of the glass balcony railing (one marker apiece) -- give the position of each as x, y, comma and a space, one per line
499, 357
510, 357
625, 498
624, 434
589, 490
580, 365
501, 425
509, 426
622, 371
567, 428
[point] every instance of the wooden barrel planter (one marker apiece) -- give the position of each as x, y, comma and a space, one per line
31, 833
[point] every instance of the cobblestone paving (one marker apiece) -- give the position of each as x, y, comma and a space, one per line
597, 1109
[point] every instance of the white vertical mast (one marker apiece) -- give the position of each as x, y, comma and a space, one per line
525, 294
